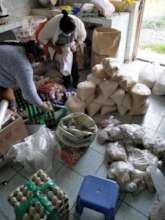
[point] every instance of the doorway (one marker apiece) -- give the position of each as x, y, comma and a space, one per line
151, 29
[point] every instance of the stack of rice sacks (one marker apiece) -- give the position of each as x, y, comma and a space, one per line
108, 90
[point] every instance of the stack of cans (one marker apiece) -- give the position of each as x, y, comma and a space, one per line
56, 199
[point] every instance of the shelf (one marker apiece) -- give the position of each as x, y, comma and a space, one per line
12, 24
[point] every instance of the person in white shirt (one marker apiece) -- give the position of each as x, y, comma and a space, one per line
63, 33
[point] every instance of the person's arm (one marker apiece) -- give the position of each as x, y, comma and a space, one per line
81, 33
25, 82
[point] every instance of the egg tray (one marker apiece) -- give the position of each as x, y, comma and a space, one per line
36, 116
40, 199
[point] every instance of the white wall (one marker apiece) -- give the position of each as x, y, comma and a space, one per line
19, 7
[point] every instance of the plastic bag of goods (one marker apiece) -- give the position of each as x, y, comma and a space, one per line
74, 104
85, 90
116, 152
130, 179
76, 130
148, 74
159, 87
38, 151
105, 7
141, 159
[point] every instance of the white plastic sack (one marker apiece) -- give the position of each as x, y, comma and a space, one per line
65, 61
105, 7
159, 87
148, 74
37, 151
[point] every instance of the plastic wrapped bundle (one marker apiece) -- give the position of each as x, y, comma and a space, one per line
76, 130
116, 152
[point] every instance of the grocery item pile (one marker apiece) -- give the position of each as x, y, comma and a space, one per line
130, 151
40, 198
108, 90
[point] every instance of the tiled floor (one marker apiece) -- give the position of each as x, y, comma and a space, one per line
130, 207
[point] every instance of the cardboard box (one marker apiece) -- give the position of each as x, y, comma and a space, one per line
12, 134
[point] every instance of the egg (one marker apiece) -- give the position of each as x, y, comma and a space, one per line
23, 199
60, 194
37, 206
26, 217
54, 200
32, 211
13, 200
17, 204
25, 190
36, 216
19, 195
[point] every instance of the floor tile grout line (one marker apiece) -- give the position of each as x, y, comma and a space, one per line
135, 209
160, 124
99, 167
93, 149
9, 180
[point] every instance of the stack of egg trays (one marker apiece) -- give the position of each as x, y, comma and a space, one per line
23, 198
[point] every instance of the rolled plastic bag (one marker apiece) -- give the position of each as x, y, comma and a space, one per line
38, 151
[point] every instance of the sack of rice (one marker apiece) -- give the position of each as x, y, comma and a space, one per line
118, 96
108, 87
94, 79
85, 90
98, 71
108, 109
93, 108
74, 104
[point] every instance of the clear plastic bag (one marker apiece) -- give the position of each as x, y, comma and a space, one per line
158, 211
116, 152
38, 151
